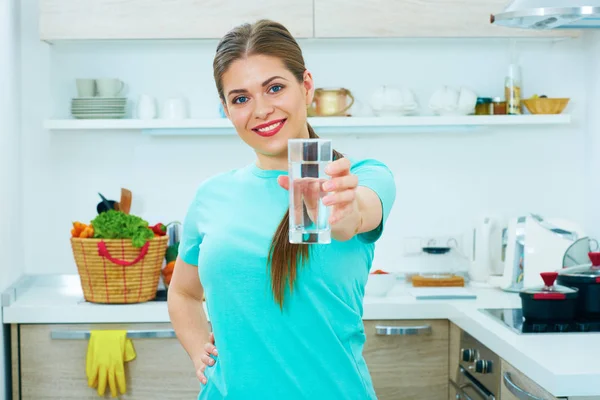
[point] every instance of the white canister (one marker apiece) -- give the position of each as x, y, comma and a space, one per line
174, 108
146, 107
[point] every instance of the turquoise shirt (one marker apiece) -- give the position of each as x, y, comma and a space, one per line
312, 349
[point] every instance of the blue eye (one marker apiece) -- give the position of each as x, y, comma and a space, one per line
240, 100
275, 88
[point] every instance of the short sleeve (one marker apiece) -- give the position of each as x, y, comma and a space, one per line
191, 237
376, 176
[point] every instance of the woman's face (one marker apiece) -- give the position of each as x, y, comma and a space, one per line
267, 106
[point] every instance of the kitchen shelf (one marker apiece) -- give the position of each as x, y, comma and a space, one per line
327, 125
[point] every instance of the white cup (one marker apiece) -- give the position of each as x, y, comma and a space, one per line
86, 87
146, 107
109, 87
174, 108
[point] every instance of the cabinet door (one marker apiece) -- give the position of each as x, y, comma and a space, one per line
453, 352
414, 18
165, 19
515, 385
55, 368
408, 359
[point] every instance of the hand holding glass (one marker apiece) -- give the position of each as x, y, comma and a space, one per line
309, 217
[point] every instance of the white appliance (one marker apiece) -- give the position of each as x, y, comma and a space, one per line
530, 245
550, 14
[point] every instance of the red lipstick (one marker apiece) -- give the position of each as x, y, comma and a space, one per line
277, 125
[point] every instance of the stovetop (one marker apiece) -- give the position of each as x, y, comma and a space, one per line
513, 318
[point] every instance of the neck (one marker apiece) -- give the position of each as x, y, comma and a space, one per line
279, 163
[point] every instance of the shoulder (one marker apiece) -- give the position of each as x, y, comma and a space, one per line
219, 181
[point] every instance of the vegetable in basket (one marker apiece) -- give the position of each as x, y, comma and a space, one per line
81, 230
114, 224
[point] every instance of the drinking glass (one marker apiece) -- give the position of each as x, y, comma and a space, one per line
309, 217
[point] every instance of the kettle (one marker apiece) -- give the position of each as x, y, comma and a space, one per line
534, 245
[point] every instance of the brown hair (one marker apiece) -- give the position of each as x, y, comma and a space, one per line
269, 38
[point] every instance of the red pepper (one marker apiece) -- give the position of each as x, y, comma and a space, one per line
159, 229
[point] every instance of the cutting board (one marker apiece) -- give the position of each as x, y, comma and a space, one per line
441, 293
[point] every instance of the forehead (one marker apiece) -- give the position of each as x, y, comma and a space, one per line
252, 71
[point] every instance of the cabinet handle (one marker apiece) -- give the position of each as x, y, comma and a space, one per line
517, 391
402, 330
133, 334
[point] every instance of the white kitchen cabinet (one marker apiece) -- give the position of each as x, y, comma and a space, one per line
408, 359
55, 368
414, 18
516, 385
165, 19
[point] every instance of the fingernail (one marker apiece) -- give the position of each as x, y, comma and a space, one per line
328, 185
327, 200
215, 352
211, 361
204, 381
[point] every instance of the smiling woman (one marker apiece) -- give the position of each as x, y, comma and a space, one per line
287, 321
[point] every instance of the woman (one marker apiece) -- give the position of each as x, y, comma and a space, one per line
287, 318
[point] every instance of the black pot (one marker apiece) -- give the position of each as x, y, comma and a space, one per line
585, 278
549, 302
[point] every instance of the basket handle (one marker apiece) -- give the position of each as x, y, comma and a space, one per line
103, 252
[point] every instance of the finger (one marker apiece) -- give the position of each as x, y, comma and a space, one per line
283, 181
341, 183
298, 206
120, 375
92, 374
312, 195
211, 349
102, 381
339, 198
338, 167
112, 384
208, 360
201, 377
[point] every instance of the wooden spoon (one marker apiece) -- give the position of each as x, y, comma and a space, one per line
125, 203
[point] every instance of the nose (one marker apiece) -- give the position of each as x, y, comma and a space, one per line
263, 108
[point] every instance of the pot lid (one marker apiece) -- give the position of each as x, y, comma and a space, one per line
591, 270
581, 271
550, 14
549, 286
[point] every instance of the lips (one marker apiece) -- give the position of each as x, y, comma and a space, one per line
270, 128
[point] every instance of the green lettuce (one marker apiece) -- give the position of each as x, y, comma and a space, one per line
114, 224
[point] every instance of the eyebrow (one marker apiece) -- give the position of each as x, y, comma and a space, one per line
265, 83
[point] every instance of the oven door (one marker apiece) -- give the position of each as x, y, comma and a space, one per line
467, 388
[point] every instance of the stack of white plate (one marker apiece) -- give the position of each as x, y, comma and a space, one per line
99, 107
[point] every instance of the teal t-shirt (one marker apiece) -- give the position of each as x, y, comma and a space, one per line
312, 349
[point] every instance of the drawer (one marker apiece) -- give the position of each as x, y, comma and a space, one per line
55, 368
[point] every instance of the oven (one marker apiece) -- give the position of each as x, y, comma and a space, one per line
478, 376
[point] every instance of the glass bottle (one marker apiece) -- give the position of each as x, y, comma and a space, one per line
512, 90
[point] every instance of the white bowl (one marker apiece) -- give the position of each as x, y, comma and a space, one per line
379, 284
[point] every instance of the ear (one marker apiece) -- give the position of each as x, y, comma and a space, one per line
309, 87
225, 110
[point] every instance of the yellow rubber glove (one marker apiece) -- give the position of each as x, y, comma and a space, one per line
106, 354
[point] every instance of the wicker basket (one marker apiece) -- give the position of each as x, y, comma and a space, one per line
112, 271
543, 105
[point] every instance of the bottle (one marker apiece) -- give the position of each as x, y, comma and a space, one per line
512, 90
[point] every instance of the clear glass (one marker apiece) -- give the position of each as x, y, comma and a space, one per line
309, 217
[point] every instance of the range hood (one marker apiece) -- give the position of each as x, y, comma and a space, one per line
550, 14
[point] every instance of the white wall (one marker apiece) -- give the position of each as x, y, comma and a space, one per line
445, 179
10, 177
592, 192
